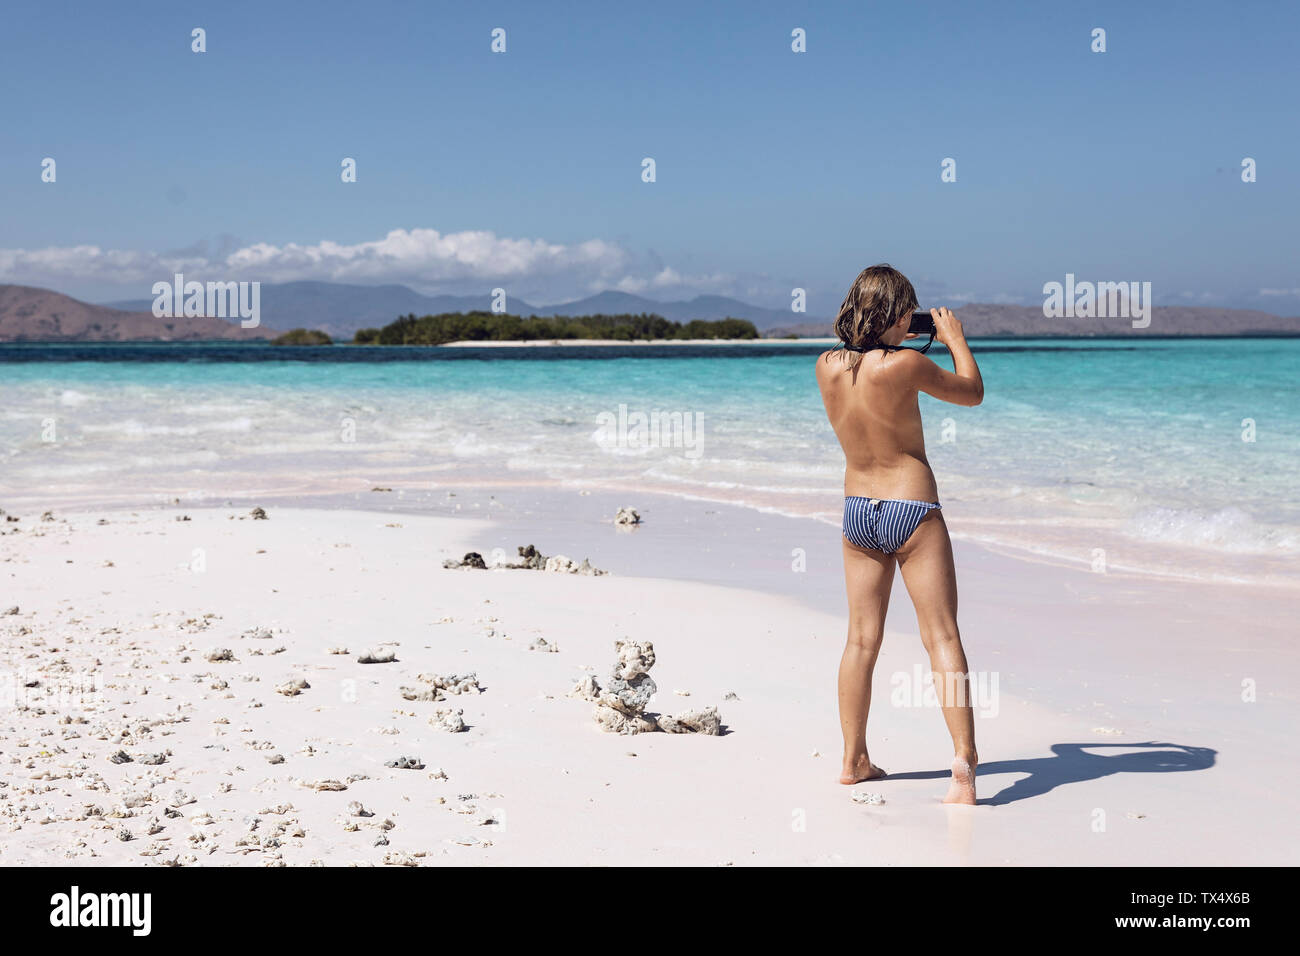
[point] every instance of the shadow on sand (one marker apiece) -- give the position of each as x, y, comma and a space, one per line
1072, 763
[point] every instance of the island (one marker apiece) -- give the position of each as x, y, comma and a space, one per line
303, 337
451, 327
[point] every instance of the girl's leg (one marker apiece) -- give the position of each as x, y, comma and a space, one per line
868, 576
926, 562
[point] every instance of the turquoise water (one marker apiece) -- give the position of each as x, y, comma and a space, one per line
1131, 446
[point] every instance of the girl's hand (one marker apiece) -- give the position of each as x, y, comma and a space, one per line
947, 327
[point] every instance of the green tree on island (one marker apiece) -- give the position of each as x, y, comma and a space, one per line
502, 327
303, 337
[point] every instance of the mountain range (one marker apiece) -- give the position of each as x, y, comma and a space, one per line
340, 309
29, 314
982, 319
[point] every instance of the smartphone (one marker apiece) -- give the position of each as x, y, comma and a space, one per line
922, 323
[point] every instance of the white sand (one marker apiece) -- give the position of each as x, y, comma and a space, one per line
532, 779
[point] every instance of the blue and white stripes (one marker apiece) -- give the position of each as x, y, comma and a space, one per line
882, 524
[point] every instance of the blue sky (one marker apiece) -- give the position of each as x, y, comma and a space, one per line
774, 169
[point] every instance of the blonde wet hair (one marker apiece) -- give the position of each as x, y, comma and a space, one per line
879, 296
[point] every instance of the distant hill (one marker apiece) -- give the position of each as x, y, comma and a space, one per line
335, 308
980, 319
28, 314
711, 307
339, 309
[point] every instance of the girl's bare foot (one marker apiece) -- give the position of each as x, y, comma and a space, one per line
861, 769
963, 782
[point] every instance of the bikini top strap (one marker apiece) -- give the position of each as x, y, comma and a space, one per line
860, 348
887, 348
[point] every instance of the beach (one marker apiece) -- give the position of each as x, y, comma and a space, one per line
184, 680
1112, 729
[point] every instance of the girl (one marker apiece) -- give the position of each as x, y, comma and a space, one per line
869, 385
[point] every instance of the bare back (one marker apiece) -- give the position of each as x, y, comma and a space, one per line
874, 411
871, 400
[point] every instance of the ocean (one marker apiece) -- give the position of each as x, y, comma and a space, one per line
1166, 456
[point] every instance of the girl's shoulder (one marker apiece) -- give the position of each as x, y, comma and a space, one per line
828, 359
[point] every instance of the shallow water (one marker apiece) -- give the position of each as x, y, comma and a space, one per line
1131, 448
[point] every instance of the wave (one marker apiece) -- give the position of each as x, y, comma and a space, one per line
135, 429
1228, 529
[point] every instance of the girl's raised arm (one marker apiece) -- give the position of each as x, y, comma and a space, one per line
961, 387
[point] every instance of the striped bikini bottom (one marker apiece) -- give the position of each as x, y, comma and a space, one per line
882, 524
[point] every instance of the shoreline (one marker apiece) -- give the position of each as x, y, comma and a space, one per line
567, 343
1070, 549
705, 543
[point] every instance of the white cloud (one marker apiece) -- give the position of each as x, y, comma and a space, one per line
424, 258
670, 280
427, 256
1294, 292
420, 255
